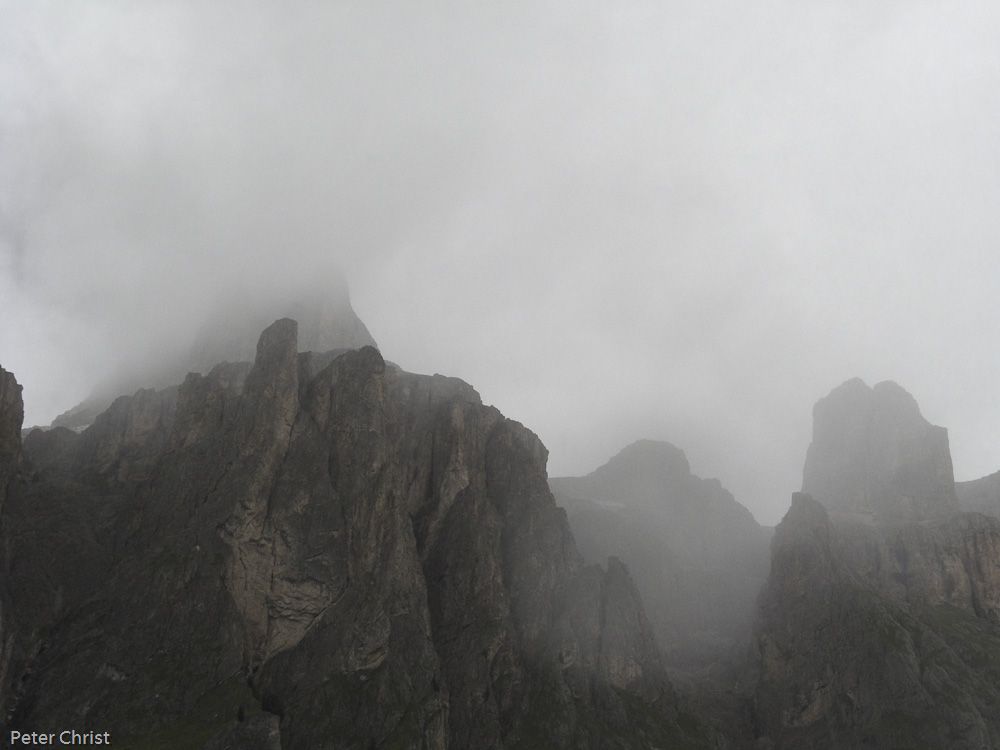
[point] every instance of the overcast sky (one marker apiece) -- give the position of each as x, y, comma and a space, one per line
684, 221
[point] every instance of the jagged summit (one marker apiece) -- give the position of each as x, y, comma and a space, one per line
880, 621
326, 322
873, 453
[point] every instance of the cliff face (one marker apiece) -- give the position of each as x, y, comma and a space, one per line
699, 558
880, 622
11, 416
312, 555
873, 453
880, 637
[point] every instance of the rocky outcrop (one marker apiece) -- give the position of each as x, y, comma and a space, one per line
872, 453
879, 636
118, 450
699, 558
980, 495
319, 555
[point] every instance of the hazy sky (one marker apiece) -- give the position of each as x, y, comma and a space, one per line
671, 220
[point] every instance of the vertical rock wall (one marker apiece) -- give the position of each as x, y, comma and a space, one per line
873, 453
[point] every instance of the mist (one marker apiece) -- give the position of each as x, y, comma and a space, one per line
615, 221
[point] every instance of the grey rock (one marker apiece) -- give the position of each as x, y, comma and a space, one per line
880, 622
372, 557
980, 495
259, 732
323, 312
873, 453
879, 635
11, 418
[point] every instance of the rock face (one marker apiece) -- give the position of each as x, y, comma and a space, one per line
11, 416
699, 558
306, 554
873, 453
880, 623
880, 636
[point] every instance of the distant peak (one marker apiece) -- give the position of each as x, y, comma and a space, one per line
872, 452
642, 451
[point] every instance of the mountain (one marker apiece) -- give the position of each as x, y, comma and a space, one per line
324, 551
873, 453
312, 551
698, 557
879, 626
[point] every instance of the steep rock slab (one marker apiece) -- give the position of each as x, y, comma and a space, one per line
873, 453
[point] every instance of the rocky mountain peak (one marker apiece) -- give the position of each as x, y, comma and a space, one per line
325, 321
873, 453
645, 473
656, 462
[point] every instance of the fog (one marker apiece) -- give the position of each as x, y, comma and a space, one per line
684, 222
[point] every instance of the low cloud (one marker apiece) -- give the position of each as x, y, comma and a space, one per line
615, 221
